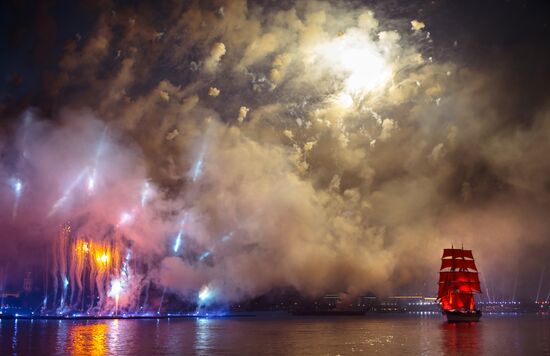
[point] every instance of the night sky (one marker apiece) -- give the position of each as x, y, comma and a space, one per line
508, 39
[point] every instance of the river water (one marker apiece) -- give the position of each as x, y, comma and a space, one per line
372, 334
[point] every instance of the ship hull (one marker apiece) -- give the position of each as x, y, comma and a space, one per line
462, 317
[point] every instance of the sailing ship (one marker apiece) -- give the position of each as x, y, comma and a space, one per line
458, 284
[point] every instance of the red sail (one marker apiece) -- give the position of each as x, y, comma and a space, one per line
460, 282
452, 301
461, 287
458, 263
457, 253
458, 276
443, 290
463, 301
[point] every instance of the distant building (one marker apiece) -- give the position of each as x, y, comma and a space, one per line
331, 300
27, 283
409, 303
368, 302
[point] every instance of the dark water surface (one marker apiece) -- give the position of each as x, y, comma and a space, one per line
372, 334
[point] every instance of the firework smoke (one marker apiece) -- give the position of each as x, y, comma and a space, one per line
250, 148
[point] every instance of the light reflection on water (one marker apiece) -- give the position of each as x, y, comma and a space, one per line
14, 338
88, 338
277, 336
114, 335
203, 336
461, 338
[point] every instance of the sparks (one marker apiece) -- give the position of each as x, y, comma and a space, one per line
145, 192
204, 294
125, 218
204, 255
67, 192
103, 258
92, 177
228, 236
177, 243
125, 270
197, 168
17, 186
360, 60
116, 289
91, 182
64, 295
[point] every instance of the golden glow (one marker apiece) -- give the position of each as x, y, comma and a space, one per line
358, 57
103, 258
344, 100
90, 339
366, 67
82, 246
90, 264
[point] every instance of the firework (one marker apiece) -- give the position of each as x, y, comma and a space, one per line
319, 136
17, 187
66, 193
205, 294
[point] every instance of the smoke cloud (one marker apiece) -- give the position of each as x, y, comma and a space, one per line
312, 146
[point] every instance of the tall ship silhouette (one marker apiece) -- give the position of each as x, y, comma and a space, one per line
458, 285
